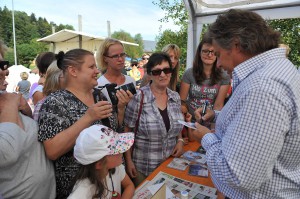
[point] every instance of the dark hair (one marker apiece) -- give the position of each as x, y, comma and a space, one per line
157, 58
198, 68
44, 60
134, 62
96, 177
246, 28
73, 57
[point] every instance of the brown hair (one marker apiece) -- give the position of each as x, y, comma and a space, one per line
43, 61
96, 177
73, 57
249, 29
198, 68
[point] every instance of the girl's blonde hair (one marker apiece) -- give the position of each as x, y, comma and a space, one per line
102, 52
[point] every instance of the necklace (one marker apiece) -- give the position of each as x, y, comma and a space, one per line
115, 195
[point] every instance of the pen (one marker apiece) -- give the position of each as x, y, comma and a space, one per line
203, 112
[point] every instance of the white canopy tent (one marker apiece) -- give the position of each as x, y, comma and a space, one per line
206, 11
65, 40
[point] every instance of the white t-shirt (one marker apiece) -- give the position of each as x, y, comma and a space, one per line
103, 81
85, 190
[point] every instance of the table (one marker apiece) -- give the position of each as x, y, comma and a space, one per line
191, 146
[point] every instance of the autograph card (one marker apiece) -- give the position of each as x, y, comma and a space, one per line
198, 170
188, 124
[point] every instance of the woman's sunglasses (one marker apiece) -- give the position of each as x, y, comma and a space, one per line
158, 72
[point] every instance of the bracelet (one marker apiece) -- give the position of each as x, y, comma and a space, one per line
180, 139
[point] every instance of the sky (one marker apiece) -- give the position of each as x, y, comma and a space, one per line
132, 16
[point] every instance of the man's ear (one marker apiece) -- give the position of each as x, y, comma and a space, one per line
236, 44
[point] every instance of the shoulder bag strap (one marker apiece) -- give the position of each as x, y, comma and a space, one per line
139, 113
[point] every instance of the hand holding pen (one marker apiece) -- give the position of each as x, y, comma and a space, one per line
203, 112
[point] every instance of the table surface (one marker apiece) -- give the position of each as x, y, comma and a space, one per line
191, 146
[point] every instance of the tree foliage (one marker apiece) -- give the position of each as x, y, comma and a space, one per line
28, 28
132, 51
290, 32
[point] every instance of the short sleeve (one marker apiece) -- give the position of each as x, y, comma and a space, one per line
122, 171
187, 76
52, 118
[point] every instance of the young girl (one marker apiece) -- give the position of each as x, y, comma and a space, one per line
99, 150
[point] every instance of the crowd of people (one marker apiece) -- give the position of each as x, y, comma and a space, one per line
100, 136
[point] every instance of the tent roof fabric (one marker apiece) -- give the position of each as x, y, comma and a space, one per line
209, 7
73, 36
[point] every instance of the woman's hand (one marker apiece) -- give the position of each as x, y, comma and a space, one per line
100, 110
130, 169
123, 98
178, 150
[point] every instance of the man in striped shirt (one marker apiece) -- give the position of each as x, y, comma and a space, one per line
255, 149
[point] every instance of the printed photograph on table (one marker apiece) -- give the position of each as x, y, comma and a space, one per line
179, 164
195, 157
198, 170
176, 185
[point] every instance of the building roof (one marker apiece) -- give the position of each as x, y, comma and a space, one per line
149, 46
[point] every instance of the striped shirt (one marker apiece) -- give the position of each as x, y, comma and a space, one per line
255, 151
153, 143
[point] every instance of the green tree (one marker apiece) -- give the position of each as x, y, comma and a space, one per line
6, 26
62, 26
28, 29
132, 51
290, 32
175, 12
139, 40
26, 52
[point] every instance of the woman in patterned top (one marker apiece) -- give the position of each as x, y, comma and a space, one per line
158, 135
65, 113
204, 83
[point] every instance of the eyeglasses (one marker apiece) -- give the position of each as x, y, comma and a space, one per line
207, 52
158, 72
145, 58
122, 55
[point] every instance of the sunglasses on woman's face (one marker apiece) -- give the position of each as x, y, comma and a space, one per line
158, 71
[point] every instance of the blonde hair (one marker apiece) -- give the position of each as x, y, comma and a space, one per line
103, 50
175, 74
24, 75
52, 82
